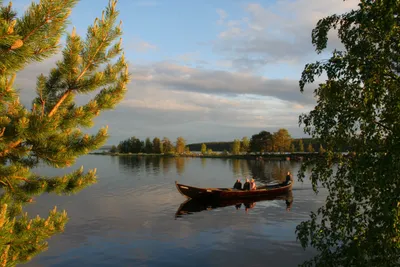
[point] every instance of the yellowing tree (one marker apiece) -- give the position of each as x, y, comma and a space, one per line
203, 149
180, 145
301, 146
310, 148
281, 140
235, 147
245, 144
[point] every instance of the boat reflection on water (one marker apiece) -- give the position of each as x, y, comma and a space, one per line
193, 205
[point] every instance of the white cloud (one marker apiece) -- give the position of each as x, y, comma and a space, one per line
161, 104
222, 16
190, 56
140, 45
169, 99
279, 32
183, 78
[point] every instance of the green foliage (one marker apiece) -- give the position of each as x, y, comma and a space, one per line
167, 146
235, 147
113, 149
180, 145
310, 148
51, 131
131, 145
187, 150
301, 146
148, 146
358, 107
261, 142
157, 145
292, 148
23, 238
203, 149
245, 144
281, 141
33, 36
321, 149
215, 146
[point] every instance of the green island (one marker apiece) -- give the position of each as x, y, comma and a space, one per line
264, 145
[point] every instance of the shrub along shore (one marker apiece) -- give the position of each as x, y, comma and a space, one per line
298, 156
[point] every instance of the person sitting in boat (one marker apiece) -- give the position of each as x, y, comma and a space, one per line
288, 179
246, 185
253, 185
238, 185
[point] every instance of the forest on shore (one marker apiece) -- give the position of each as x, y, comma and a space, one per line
262, 142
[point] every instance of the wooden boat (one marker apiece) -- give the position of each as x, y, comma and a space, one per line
197, 205
226, 193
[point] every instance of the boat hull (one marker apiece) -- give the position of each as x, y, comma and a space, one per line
228, 193
191, 206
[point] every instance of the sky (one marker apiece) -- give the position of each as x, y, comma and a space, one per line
211, 70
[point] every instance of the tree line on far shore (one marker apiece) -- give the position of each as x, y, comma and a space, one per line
263, 142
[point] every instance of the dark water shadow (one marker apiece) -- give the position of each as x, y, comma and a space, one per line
191, 206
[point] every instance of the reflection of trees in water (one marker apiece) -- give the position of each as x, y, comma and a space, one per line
131, 162
166, 164
267, 171
114, 159
235, 165
258, 170
153, 165
279, 170
261, 171
244, 168
240, 168
203, 162
180, 165
147, 164
225, 161
156, 162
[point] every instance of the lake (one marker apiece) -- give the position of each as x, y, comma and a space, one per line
129, 217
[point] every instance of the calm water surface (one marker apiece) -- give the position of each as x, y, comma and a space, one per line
128, 217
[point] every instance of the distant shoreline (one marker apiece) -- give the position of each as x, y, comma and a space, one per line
297, 156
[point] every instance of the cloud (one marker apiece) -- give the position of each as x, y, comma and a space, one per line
161, 104
268, 34
140, 46
222, 16
164, 100
190, 56
183, 78
169, 99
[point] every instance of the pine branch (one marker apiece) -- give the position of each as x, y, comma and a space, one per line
10, 147
60, 101
88, 65
21, 178
49, 132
